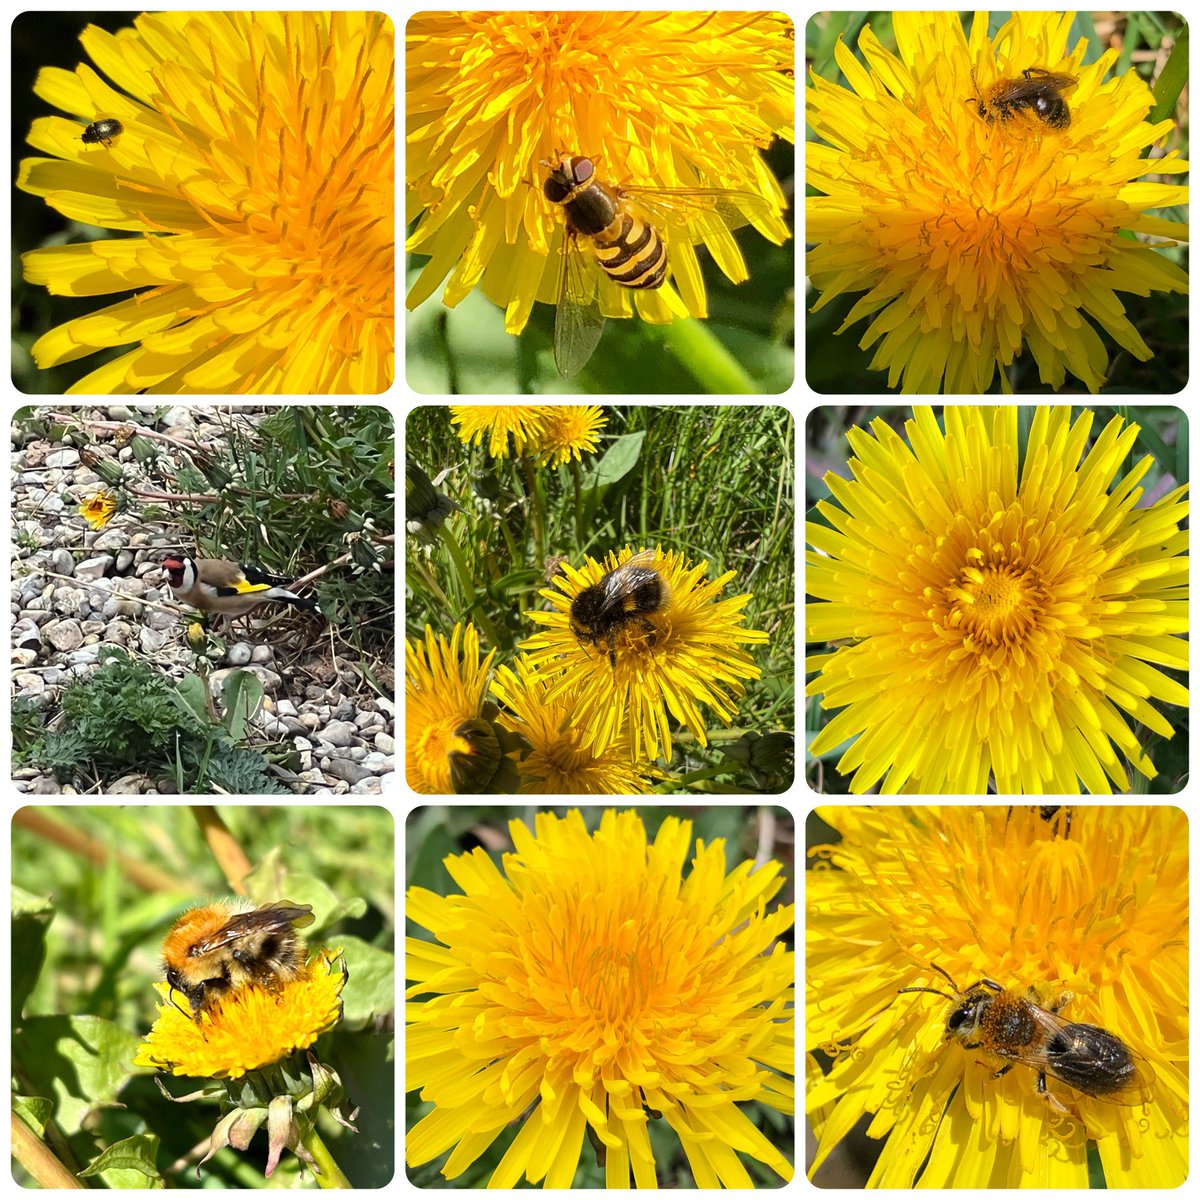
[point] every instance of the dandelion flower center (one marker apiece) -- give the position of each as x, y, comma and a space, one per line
1008, 617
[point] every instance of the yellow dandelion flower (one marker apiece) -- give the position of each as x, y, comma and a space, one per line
98, 509
552, 433
984, 219
444, 690
1063, 1040
571, 432
589, 985
638, 637
653, 114
249, 1028
524, 423
1003, 605
559, 762
254, 165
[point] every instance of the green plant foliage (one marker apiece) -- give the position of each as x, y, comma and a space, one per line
127, 717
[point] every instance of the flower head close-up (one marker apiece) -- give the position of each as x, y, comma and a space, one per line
1002, 595
1002, 992
245, 164
995, 197
250, 1029
667, 640
586, 985
605, 149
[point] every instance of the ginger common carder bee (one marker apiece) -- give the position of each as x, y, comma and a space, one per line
218, 948
1036, 92
623, 232
1009, 1024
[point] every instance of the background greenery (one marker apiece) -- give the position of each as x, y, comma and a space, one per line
1163, 435
91, 904
436, 831
836, 365
715, 484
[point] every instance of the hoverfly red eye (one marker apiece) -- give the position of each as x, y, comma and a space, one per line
582, 169
555, 190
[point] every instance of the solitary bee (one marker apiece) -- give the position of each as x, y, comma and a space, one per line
102, 131
621, 227
1010, 1025
1037, 92
628, 595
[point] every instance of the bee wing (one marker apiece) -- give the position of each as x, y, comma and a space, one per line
283, 914
617, 583
578, 321
678, 208
643, 558
1088, 1058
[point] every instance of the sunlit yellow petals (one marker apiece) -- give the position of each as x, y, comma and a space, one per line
494, 99
976, 239
983, 892
604, 987
258, 178
1005, 622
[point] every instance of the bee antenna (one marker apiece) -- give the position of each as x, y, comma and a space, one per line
945, 974
931, 991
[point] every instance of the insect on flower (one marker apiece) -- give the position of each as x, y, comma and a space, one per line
1007, 1024
624, 232
219, 948
102, 131
1037, 92
624, 599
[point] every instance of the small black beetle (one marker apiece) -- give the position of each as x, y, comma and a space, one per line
103, 131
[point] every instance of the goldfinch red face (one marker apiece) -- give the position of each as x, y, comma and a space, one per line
174, 568
218, 948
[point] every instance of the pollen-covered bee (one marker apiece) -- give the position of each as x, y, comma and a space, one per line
626, 231
626, 597
1037, 92
221, 947
1007, 1024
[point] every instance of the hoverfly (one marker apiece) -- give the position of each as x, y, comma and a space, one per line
627, 246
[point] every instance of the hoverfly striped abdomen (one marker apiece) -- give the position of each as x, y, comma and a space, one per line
629, 251
609, 235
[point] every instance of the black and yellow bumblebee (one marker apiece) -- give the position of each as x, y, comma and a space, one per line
626, 230
626, 597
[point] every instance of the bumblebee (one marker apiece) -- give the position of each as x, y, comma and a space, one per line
219, 948
1007, 1024
1037, 92
102, 131
627, 596
621, 228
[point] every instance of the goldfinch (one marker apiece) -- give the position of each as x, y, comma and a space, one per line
220, 586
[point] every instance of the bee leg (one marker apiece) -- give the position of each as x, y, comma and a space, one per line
1004, 1070
1051, 1099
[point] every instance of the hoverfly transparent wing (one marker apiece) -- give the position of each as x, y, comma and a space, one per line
578, 321
679, 207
